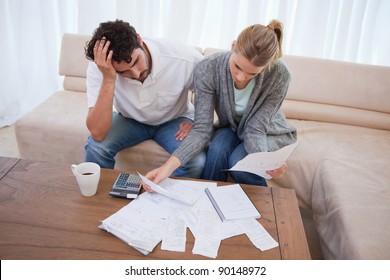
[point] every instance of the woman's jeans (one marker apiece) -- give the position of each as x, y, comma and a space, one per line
224, 151
126, 132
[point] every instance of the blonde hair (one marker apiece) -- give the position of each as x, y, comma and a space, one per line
261, 45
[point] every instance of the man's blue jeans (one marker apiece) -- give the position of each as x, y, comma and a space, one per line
126, 132
224, 151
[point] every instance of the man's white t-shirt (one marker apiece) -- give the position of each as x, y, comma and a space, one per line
163, 95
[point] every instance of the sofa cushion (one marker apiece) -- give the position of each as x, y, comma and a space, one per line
319, 141
341, 173
55, 130
351, 207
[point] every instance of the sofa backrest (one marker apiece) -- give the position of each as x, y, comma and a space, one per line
73, 63
320, 90
338, 92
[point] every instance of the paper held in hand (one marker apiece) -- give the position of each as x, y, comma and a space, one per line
259, 163
175, 189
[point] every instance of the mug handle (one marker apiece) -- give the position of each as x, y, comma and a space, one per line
73, 167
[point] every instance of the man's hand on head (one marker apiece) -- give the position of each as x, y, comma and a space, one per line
102, 60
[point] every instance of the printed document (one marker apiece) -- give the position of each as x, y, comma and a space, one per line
174, 237
259, 163
181, 190
258, 235
232, 203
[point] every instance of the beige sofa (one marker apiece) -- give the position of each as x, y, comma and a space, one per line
339, 169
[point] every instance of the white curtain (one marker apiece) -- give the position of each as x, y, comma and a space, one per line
348, 30
30, 42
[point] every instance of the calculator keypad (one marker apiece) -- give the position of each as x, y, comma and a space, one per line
127, 181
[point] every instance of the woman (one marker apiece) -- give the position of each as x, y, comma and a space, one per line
246, 88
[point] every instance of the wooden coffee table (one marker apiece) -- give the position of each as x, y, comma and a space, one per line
44, 216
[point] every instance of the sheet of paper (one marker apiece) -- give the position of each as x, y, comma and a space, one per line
207, 239
229, 229
154, 186
152, 205
174, 237
159, 205
259, 163
258, 234
231, 203
182, 190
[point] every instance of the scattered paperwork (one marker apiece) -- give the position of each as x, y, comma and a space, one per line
164, 217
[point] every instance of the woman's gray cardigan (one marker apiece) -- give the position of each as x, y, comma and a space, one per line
263, 126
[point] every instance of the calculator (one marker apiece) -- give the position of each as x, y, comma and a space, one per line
126, 185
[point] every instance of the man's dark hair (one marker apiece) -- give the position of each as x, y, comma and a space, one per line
122, 37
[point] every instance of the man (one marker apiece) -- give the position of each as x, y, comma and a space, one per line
147, 81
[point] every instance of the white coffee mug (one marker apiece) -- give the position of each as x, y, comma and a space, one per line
87, 176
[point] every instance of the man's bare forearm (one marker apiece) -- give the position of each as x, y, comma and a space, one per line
99, 117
